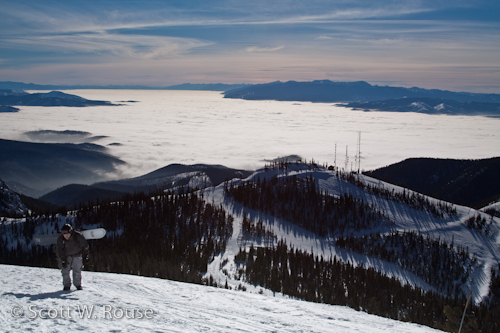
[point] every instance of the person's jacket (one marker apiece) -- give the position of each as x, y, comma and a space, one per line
74, 246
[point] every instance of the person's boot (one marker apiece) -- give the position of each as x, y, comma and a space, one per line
66, 288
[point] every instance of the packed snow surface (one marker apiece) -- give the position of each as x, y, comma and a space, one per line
33, 300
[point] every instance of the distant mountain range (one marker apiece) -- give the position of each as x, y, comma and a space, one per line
366, 96
430, 106
356, 95
184, 86
327, 91
54, 98
206, 86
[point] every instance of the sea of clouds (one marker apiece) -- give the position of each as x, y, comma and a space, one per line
154, 128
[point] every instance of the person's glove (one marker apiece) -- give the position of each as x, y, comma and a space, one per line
64, 264
86, 256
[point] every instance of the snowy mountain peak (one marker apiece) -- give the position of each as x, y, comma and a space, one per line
446, 108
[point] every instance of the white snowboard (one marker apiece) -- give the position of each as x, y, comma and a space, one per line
52, 238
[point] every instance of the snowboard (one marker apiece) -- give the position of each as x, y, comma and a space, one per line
52, 238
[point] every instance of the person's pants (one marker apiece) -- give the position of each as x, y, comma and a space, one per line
76, 264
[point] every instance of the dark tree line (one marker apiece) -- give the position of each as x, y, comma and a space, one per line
17, 247
493, 211
442, 266
256, 230
299, 201
306, 276
479, 223
410, 198
164, 235
494, 294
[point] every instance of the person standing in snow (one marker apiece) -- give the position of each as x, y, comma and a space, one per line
72, 249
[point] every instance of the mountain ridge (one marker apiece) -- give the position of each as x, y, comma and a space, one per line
53, 98
51, 165
170, 177
429, 106
473, 183
326, 91
362, 95
183, 86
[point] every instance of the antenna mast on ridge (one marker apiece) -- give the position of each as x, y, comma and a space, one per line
335, 158
358, 154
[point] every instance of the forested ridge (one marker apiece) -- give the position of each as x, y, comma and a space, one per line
298, 200
408, 197
442, 266
164, 235
303, 275
314, 278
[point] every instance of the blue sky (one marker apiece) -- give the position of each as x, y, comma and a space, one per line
452, 45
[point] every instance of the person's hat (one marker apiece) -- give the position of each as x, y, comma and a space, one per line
66, 229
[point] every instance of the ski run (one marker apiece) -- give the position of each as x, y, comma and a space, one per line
32, 300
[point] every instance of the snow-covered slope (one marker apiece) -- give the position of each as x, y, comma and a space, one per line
492, 208
32, 300
451, 228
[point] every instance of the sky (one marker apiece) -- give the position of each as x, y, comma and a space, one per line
443, 44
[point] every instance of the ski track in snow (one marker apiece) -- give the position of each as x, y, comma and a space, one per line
177, 306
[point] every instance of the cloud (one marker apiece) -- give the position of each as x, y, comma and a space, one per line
104, 44
91, 16
252, 49
218, 40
